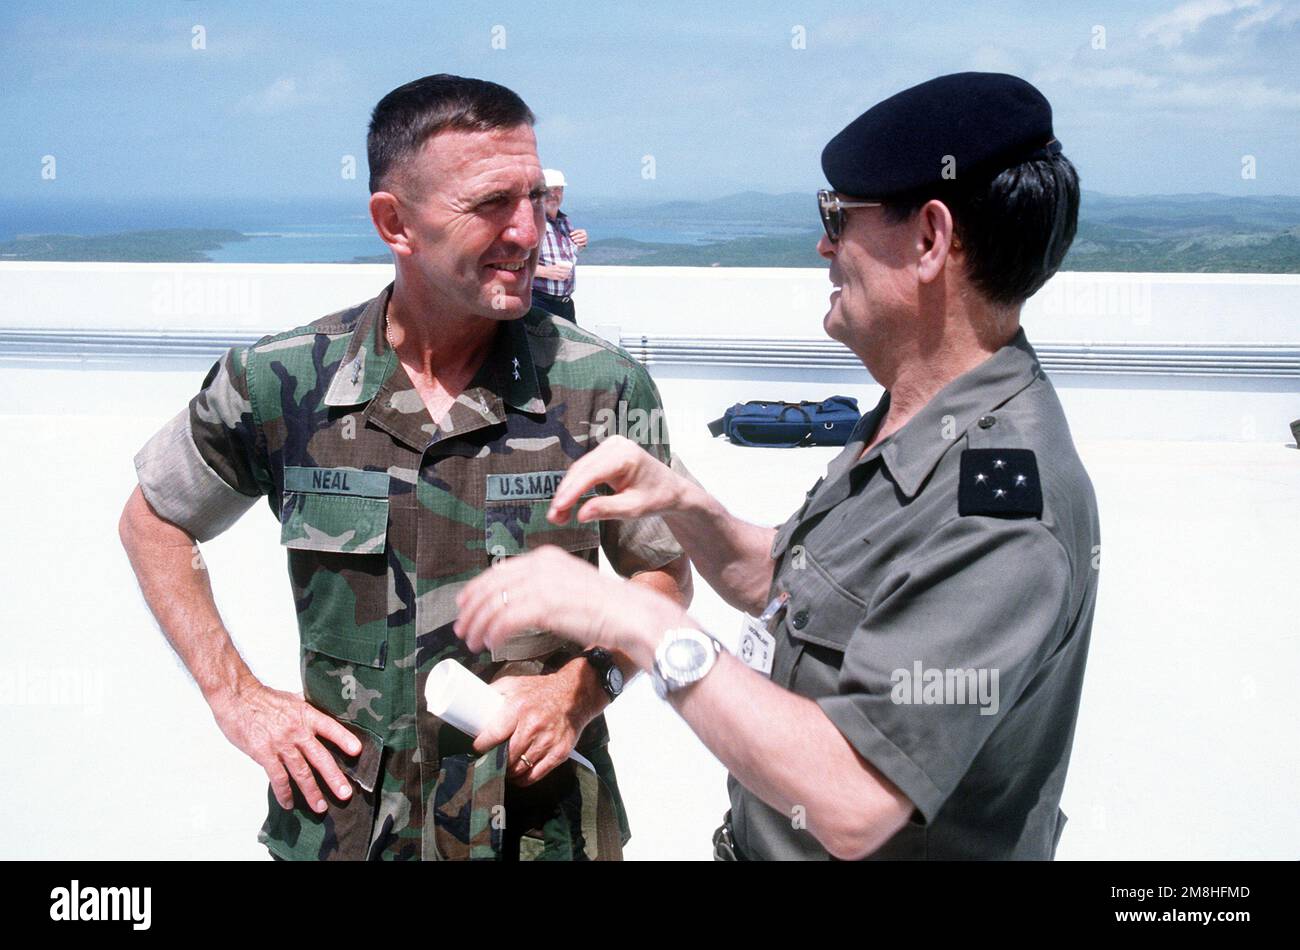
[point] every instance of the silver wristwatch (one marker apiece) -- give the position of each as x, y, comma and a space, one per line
684, 656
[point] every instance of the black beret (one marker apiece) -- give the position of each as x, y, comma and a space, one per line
987, 122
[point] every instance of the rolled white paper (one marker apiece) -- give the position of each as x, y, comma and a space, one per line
457, 696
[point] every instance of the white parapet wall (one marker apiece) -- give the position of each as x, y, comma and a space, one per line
776, 302
1143, 356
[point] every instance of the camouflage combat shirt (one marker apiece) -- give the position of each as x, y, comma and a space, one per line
385, 516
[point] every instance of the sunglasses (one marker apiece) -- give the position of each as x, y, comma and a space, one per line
833, 211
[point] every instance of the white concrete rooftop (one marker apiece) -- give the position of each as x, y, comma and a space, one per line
1187, 744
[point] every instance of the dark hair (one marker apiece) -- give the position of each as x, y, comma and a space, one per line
1015, 228
408, 115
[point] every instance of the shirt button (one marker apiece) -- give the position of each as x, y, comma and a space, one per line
800, 619
986, 422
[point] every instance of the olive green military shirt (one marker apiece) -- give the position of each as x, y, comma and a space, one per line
385, 516
940, 598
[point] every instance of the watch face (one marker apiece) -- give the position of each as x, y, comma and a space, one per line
685, 655
614, 678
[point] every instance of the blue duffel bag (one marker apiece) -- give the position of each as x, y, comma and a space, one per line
764, 422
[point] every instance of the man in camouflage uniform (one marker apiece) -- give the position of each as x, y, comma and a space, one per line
406, 444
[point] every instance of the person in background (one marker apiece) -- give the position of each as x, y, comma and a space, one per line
553, 282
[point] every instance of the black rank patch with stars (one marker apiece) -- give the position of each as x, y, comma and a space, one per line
1000, 482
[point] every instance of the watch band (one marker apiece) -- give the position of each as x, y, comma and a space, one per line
611, 677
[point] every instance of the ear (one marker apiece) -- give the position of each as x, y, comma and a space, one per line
935, 240
386, 213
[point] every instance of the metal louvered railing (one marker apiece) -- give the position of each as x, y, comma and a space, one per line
1268, 360
116, 345
1257, 360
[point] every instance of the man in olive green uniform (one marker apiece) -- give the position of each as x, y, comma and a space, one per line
909, 674
406, 444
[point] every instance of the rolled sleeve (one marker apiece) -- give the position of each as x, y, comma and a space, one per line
980, 594
642, 544
205, 467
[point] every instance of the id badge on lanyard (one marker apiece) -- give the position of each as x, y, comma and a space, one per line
758, 647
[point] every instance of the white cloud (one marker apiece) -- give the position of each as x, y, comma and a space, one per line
1116, 77
1231, 68
1262, 15
280, 96
1144, 90
1197, 64
994, 59
1240, 94
1170, 29
75, 38
327, 81
846, 31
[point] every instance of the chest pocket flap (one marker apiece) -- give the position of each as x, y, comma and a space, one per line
334, 509
820, 611
514, 516
334, 522
514, 522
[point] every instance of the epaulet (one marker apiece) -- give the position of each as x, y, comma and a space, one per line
999, 482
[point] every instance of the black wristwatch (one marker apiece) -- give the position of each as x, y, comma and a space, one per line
611, 677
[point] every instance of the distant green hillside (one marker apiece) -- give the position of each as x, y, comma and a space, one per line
1188, 233
1098, 248
169, 245
798, 251
1185, 233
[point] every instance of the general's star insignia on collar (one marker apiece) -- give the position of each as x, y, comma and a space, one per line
516, 362
999, 482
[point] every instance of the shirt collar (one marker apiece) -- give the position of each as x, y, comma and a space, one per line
512, 361
913, 451
370, 368
368, 359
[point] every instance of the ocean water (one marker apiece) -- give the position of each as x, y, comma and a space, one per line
280, 232
321, 242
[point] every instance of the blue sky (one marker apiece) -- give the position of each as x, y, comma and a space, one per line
1170, 99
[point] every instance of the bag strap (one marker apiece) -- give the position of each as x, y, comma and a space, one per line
739, 439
